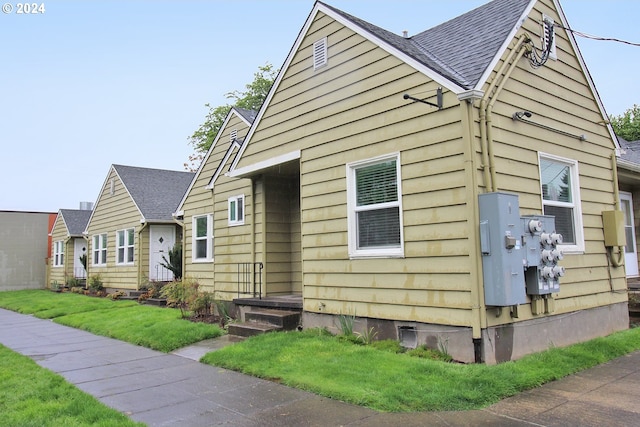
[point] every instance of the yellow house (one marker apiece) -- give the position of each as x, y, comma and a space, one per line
69, 246
202, 209
131, 227
443, 188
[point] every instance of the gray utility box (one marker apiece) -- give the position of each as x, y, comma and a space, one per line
502, 255
540, 242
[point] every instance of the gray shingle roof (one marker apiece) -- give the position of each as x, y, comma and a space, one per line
460, 49
156, 192
630, 150
75, 220
248, 115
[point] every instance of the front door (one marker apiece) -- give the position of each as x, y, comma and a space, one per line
630, 255
162, 238
79, 249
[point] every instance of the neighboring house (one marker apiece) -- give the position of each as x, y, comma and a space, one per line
69, 245
629, 182
202, 207
360, 199
131, 227
25, 249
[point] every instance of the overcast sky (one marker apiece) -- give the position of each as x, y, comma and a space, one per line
88, 84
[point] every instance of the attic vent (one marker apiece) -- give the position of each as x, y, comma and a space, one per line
548, 30
320, 53
112, 187
234, 135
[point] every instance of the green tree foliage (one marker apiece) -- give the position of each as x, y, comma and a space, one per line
250, 99
627, 125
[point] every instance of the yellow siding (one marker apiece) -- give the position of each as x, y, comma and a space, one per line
352, 110
115, 212
59, 233
559, 96
218, 275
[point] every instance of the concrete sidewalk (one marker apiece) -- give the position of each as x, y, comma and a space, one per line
175, 390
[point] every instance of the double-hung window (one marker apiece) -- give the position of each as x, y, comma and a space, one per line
99, 249
375, 207
58, 253
124, 246
236, 210
202, 238
561, 198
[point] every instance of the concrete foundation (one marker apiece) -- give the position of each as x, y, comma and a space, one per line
498, 343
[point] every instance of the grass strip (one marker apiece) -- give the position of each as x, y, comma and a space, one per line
393, 382
33, 396
157, 328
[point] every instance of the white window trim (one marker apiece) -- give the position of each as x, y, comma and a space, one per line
102, 260
239, 201
126, 246
208, 238
58, 253
354, 252
579, 246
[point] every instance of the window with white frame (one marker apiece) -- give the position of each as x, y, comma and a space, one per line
202, 238
374, 201
561, 198
124, 246
236, 210
58, 253
99, 249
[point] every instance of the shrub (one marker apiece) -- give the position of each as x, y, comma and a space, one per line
179, 294
95, 283
174, 263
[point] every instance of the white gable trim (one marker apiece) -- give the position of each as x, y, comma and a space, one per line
233, 111
585, 70
507, 41
265, 164
223, 162
319, 7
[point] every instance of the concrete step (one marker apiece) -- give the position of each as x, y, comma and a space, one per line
283, 319
249, 329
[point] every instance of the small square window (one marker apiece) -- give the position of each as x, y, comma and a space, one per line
236, 210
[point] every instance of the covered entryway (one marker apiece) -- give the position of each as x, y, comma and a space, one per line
277, 230
162, 238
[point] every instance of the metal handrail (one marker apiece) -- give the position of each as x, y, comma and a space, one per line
248, 284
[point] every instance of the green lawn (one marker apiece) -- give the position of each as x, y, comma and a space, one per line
387, 381
158, 328
33, 396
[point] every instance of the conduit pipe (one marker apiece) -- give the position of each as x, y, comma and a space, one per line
616, 261
486, 106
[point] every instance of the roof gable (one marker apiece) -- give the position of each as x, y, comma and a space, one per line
248, 117
75, 220
156, 192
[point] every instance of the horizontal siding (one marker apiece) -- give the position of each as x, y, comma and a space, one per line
114, 212
559, 97
201, 201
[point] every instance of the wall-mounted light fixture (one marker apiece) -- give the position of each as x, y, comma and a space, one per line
524, 116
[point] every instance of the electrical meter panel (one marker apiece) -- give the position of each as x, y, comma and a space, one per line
500, 242
541, 254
